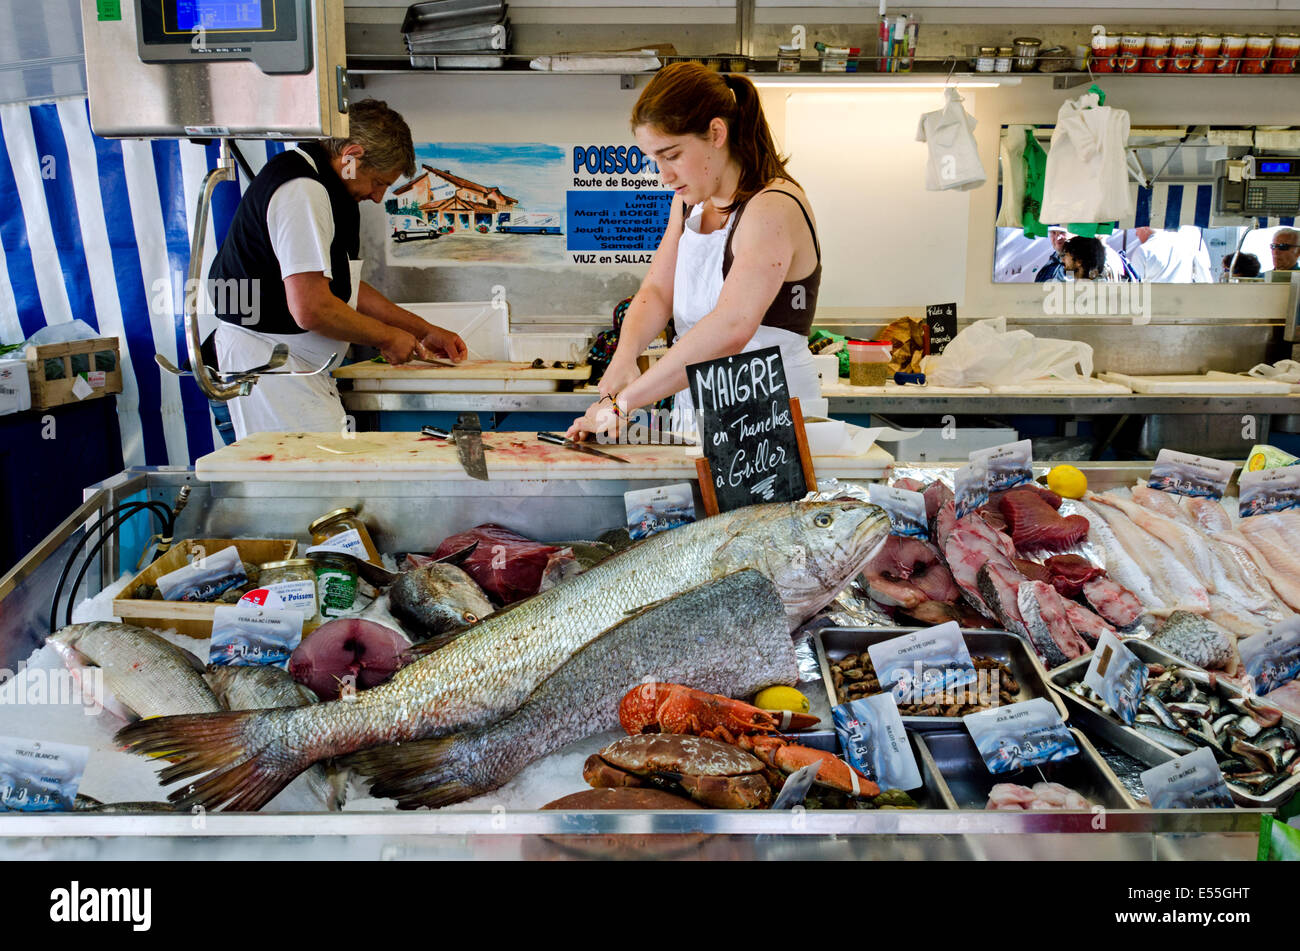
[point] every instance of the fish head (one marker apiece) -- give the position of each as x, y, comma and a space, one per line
809, 550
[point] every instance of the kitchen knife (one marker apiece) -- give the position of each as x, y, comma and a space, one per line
556, 439
468, 440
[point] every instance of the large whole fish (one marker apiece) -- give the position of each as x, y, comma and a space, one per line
727, 636
264, 687
809, 550
147, 675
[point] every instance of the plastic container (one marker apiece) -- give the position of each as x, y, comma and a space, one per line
1255, 57
869, 363
788, 59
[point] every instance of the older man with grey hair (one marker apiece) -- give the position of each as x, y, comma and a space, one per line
1286, 249
292, 252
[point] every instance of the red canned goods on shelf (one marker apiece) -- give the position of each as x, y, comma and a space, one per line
1183, 57
1207, 52
1230, 52
1286, 48
1131, 48
1255, 58
1155, 56
1104, 50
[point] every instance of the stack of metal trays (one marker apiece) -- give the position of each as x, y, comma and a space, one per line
454, 34
1107, 728
835, 643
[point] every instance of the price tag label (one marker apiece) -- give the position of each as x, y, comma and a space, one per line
1193, 781
941, 324
875, 742
1185, 474
1118, 675
1023, 734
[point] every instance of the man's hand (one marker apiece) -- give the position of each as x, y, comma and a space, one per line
446, 343
400, 347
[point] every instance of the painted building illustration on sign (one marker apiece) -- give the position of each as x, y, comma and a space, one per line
527, 203
449, 203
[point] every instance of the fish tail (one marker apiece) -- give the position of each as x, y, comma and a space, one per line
243, 757
425, 773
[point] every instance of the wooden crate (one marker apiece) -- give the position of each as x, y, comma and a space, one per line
81, 353
193, 618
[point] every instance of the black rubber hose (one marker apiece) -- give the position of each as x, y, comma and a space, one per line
119, 514
90, 558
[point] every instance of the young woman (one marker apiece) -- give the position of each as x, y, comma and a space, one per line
738, 267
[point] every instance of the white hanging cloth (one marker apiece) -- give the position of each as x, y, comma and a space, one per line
1086, 179
954, 158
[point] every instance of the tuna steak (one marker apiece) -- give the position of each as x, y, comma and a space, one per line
725, 637
809, 550
1035, 525
1069, 573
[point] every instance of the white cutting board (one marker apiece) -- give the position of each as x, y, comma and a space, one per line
467, 370
483, 325
1220, 375
1195, 383
454, 386
894, 389
391, 457
1053, 387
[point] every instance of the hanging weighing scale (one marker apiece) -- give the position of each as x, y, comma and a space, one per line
223, 69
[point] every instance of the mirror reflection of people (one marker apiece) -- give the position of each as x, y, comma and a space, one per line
1053, 270
1247, 266
1083, 259
739, 264
1286, 249
1173, 256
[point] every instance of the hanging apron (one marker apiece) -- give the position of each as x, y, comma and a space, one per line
301, 404
697, 284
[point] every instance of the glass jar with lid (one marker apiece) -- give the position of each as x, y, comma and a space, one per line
788, 59
294, 583
1027, 48
987, 59
1003, 64
336, 584
342, 529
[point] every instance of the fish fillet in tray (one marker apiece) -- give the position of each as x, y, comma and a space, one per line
932, 795
1090, 718
966, 781
834, 643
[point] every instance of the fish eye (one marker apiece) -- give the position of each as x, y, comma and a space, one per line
470, 618
822, 519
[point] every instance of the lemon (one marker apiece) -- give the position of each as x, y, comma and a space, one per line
781, 698
1067, 482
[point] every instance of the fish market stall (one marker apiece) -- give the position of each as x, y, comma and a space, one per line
405, 513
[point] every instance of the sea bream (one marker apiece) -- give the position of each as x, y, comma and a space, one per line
147, 675
727, 637
809, 550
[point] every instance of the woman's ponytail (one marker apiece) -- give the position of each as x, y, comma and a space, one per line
682, 99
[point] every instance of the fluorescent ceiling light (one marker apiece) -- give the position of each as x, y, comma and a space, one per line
814, 84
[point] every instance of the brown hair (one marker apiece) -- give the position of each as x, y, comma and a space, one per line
383, 133
683, 98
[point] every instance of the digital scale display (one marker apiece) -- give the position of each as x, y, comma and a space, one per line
1275, 168
243, 15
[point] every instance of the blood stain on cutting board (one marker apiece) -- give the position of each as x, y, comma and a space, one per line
265, 458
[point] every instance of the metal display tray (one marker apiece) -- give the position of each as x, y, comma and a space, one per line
966, 780
932, 794
1091, 719
833, 643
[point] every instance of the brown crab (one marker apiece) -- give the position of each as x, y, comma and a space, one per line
711, 772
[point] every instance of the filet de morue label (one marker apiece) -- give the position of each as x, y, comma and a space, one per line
746, 429
941, 320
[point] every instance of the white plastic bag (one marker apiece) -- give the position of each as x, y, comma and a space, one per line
986, 352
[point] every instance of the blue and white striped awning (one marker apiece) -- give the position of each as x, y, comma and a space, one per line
99, 229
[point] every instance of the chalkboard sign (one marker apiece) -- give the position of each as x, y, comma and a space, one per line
748, 429
941, 321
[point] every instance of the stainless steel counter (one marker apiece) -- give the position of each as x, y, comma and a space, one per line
1115, 405
416, 515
